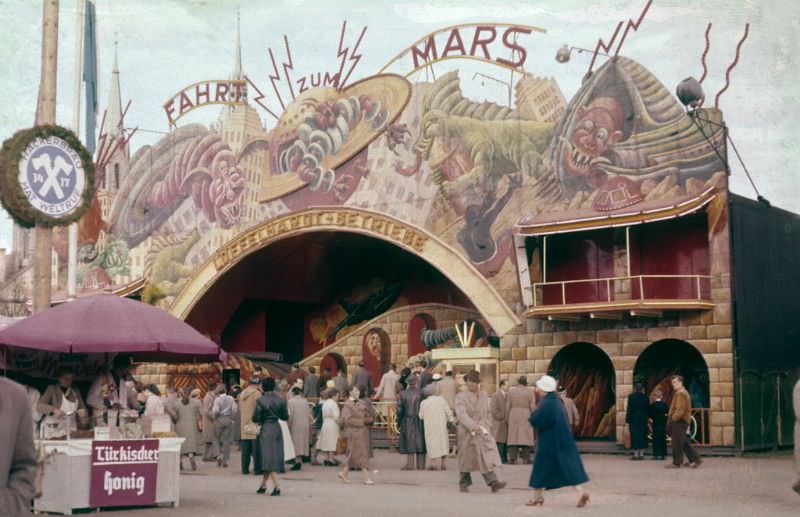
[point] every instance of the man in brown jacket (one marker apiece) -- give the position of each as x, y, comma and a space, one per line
17, 455
680, 414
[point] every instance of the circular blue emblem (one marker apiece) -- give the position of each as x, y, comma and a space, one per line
51, 176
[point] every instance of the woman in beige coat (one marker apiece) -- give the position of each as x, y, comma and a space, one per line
357, 419
520, 402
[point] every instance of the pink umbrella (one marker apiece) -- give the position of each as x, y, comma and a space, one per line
106, 323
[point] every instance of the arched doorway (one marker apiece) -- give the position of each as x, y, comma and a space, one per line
588, 375
335, 362
662, 359
376, 351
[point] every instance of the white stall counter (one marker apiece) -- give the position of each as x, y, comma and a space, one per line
67, 474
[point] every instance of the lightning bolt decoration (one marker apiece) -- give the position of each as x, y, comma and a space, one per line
260, 96
275, 76
288, 66
630, 25
342, 54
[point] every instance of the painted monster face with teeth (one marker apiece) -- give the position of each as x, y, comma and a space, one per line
597, 128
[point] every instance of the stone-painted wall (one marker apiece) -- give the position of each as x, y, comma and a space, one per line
395, 324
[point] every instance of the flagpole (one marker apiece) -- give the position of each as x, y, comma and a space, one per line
72, 264
45, 114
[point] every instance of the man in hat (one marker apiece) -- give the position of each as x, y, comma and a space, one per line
476, 446
497, 406
519, 404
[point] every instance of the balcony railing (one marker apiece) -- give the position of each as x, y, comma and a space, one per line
622, 289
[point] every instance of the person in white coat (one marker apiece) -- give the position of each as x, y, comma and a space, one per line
387, 389
435, 415
329, 434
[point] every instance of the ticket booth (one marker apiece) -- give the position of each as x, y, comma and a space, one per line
485, 360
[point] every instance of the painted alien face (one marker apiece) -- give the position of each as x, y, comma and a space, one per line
596, 131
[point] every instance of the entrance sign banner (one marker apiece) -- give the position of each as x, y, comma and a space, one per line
124, 473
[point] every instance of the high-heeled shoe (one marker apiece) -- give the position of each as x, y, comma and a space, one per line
583, 500
261, 490
539, 501
276, 492
344, 477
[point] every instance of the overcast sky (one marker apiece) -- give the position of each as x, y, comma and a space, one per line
165, 45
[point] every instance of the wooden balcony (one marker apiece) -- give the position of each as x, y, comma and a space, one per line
610, 298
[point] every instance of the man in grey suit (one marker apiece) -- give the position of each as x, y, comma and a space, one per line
17, 455
362, 377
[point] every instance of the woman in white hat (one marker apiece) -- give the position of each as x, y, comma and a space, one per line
557, 462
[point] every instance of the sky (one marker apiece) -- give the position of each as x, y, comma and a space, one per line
166, 45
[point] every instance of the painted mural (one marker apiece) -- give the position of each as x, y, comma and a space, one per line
465, 170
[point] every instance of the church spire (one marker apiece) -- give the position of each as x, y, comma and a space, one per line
113, 124
237, 72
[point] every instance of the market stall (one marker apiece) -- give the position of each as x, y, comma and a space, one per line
122, 459
87, 473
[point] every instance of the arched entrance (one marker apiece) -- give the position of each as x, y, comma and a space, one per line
662, 359
291, 287
334, 362
376, 352
416, 241
588, 375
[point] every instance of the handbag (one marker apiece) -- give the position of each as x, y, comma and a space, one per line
341, 445
252, 428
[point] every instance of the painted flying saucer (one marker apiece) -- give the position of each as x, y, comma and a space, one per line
323, 128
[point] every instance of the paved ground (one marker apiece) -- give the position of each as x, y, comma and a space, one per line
750, 486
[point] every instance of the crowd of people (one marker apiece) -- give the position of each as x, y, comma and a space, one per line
285, 424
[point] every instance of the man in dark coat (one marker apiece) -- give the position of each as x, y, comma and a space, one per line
557, 462
412, 439
362, 377
323, 379
658, 412
636, 418
311, 384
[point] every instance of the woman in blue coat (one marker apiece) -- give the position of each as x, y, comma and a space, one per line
557, 462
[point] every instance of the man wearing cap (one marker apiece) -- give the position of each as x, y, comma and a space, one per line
476, 446
497, 406
519, 404
557, 462
433, 387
